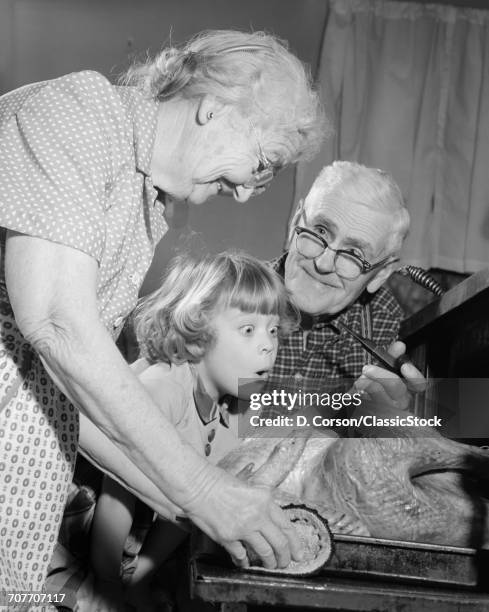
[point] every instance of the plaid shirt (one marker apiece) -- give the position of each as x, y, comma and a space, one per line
318, 354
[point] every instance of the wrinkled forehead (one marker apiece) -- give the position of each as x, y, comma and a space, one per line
352, 222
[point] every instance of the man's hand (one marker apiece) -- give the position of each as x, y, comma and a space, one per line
237, 516
386, 388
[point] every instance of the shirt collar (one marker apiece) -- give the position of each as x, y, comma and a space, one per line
207, 408
143, 114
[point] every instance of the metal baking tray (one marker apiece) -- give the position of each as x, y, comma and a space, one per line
385, 560
407, 561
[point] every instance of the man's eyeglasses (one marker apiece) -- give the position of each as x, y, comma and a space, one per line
347, 264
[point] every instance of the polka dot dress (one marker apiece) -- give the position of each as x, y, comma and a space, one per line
75, 157
38, 440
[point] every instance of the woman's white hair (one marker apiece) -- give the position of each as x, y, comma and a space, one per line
256, 73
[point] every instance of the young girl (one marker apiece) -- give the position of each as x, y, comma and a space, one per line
211, 324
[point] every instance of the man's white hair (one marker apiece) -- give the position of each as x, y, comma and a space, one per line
352, 183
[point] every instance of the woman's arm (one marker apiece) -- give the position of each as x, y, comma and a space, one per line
99, 450
52, 290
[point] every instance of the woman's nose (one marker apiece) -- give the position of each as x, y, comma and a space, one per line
242, 194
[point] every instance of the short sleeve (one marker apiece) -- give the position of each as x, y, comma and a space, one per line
167, 392
56, 162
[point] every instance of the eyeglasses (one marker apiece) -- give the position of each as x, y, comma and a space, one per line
265, 172
347, 264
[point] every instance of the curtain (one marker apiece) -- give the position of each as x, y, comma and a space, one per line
407, 88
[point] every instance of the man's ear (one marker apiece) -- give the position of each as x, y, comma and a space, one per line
295, 221
208, 109
380, 277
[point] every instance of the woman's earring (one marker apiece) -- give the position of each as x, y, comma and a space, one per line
210, 114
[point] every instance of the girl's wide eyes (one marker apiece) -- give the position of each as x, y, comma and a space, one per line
247, 330
274, 330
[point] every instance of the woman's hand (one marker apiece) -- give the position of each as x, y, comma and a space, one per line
236, 516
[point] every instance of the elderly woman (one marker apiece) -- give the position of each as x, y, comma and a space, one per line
87, 170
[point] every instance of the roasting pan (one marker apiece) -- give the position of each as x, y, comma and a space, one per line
408, 562
386, 560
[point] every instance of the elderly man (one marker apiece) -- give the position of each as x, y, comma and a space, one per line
344, 242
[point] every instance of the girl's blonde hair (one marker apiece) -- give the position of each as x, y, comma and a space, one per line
174, 323
255, 72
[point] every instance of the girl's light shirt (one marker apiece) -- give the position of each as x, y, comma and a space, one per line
207, 426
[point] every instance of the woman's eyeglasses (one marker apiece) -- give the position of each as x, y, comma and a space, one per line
347, 264
265, 171
263, 175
